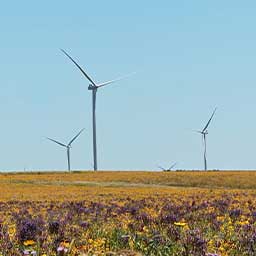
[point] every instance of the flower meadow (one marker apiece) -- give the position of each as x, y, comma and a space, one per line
74, 219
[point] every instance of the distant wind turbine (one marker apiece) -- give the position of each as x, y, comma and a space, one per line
167, 170
204, 132
93, 87
68, 146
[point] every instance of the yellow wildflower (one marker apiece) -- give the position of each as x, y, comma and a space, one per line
242, 223
180, 224
145, 229
64, 244
29, 242
220, 218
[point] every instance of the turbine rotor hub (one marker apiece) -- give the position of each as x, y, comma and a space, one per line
92, 87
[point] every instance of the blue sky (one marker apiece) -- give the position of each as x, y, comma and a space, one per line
190, 56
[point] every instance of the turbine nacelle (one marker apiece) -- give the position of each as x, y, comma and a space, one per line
203, 132
92, 87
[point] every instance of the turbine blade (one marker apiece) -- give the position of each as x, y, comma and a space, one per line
61, 144
172, 166
209, 120
75, 137
79, 67
114, 80
161, 168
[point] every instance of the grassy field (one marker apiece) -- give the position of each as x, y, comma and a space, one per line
53, 186
128, 213
212, 179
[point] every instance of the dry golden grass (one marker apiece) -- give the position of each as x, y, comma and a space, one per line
219, 179
36, 192
91, 185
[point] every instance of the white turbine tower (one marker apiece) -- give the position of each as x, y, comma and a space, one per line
93, 87
204, 132
68, 146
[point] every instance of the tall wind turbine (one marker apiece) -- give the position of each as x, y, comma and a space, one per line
93, 87
204, 132
68, 146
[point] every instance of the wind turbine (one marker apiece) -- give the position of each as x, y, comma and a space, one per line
204, 132
93, 87
68, 146
169, 169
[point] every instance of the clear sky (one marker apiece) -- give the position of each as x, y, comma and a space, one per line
190, 57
